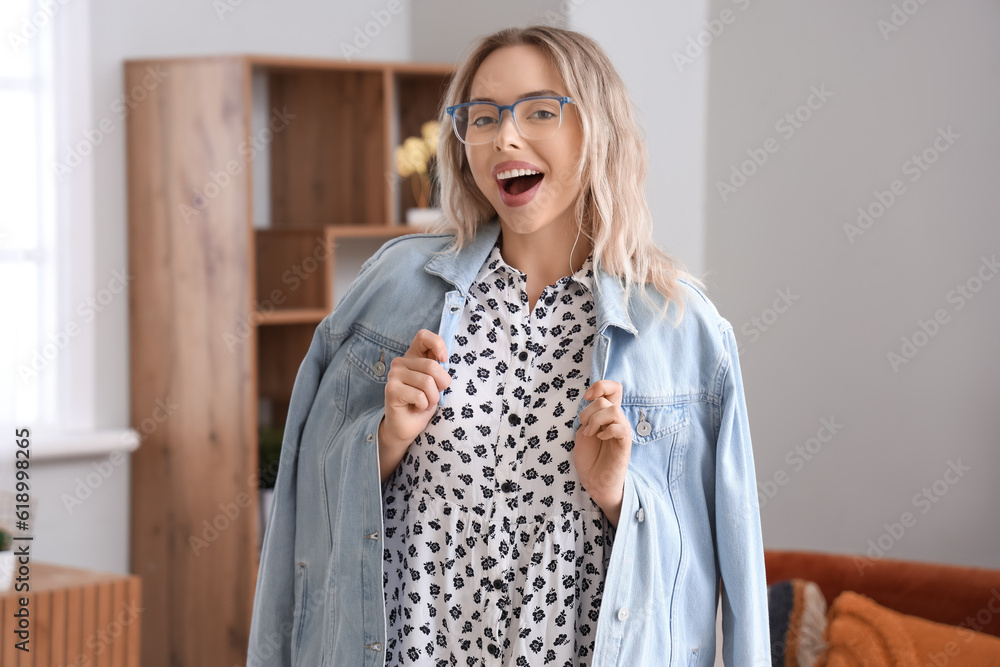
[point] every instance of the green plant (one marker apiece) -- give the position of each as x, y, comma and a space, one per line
5, 539
269, 454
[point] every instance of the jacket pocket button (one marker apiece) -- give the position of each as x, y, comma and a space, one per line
623, 613
640, 515
377, 646
644, 428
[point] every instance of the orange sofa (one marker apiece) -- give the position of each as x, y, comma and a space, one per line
883, 612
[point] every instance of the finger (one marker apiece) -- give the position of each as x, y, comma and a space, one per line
426, 378
429, 345
613, 431
429, 367
609, 389
604, 417
587, 414
402, 395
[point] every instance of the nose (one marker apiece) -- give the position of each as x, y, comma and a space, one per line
507, 133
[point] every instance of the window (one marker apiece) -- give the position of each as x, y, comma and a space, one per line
47, 376
27, 224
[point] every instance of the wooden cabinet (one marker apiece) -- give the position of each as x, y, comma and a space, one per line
250, 180
76, 618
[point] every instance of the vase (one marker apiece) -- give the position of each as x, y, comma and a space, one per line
6, 570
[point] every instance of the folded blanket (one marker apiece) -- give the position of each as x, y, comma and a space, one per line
860, 632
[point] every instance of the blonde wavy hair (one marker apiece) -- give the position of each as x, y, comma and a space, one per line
611, 210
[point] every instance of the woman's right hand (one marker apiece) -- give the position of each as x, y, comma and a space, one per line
412, 393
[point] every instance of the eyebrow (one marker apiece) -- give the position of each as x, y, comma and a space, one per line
533, 93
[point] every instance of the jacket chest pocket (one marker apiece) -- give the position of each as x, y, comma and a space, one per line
660, 437
363, 382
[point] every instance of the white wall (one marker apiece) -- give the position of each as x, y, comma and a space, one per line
852, 300
442, 29
641, 38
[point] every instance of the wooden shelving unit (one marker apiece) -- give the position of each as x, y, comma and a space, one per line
223, 311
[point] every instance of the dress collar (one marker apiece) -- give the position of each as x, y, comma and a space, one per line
462, 268
495, 263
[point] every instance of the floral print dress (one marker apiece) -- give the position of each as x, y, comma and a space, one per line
494, 553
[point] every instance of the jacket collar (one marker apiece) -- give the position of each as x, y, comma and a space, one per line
461, 269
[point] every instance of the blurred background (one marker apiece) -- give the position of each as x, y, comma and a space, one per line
830, 169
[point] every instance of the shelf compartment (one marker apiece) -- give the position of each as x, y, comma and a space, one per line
296, 268
328, 163
416, 98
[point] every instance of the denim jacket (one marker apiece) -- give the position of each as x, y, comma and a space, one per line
689, 529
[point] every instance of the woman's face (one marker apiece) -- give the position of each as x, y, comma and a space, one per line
505, 76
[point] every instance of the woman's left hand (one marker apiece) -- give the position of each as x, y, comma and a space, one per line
603, 447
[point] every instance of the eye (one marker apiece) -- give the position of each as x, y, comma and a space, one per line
483, 121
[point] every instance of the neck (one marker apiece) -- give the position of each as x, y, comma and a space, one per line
546, 255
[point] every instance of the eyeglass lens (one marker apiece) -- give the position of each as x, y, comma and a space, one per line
534, 119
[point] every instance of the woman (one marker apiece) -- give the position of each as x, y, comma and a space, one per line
506, 531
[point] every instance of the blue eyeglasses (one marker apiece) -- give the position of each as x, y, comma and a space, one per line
534, 118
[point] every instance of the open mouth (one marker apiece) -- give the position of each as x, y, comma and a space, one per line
517, 181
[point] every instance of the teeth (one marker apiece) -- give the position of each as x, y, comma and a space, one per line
511, 173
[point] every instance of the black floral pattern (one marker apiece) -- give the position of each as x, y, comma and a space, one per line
494, 552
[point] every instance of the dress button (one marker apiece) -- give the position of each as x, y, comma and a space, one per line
506, 487
523, 356
623, 613
494, 650
513, 419
640, 515
497, 584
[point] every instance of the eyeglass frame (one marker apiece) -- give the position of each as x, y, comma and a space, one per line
563, 101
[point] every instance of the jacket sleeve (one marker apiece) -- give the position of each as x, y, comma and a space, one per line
739, 545
271, 625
